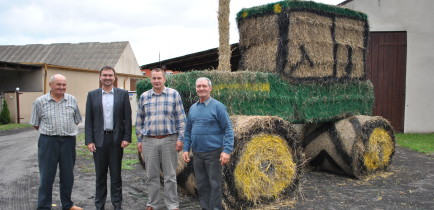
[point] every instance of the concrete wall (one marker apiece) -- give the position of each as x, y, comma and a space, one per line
417, 19
26, 99
127, 63
133, 101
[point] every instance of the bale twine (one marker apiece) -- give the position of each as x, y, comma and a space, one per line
265, 163
356, 146
304, 41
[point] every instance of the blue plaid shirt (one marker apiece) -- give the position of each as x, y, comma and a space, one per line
160, 114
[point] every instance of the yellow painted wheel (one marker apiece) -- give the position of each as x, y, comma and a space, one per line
265, 169
379, 150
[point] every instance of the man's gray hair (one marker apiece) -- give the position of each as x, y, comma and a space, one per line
204, 78
54, 76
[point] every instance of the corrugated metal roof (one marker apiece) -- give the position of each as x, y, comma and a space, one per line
90, 55
207, 59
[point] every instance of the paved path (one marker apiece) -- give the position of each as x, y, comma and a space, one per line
409, 184
18, 170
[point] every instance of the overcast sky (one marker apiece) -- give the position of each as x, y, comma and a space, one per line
156, 29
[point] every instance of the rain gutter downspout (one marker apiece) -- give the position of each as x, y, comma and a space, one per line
45, 78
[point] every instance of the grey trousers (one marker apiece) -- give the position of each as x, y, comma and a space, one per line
162, 152
208, 174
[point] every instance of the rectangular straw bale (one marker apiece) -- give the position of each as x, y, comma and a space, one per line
350, 33
313, 32
358, 66
258, 31
261, 57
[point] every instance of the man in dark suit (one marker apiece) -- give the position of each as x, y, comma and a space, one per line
107, 133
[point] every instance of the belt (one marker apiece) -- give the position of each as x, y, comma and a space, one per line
159, 137
108, 131
55, 135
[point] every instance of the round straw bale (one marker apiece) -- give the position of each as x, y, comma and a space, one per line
265, 163
184, 174
356, 146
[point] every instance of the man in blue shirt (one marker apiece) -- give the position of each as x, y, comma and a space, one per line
210, 135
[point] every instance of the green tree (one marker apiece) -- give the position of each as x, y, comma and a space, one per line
5, 117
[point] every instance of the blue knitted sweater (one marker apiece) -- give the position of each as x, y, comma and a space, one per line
208, 128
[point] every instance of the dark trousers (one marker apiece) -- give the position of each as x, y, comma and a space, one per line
208, 174
53, 151
108, 157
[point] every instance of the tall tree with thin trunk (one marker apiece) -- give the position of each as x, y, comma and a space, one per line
224, 47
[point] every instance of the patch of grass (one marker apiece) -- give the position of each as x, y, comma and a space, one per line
423, 143
130, 153
81, 149
13, 126
132, 148
128, 164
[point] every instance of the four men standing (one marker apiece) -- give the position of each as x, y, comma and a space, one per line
160, 135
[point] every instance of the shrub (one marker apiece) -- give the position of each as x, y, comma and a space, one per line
4, 115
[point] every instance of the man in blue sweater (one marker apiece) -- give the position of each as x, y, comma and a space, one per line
210, 136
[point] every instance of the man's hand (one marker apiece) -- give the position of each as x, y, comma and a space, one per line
125, 144
179, 145
91, 147
224, 158
139, 146
186, 157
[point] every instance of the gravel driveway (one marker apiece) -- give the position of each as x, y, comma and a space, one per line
409, 183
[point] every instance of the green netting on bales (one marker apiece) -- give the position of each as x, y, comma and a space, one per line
259, 93
321, 102
278, 7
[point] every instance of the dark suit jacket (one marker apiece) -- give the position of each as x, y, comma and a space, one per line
94, 122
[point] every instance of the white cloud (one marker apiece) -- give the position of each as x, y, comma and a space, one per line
166, 27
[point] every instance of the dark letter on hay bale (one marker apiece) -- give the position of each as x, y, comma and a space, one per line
304, 41
356, 146
265, 163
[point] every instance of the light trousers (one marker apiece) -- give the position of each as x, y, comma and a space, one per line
161, 154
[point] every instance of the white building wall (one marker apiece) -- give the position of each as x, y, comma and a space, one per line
127, 63
417, 19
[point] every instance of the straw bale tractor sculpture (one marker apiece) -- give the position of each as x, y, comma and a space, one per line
300, 96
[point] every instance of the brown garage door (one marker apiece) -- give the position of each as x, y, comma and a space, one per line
386, 64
